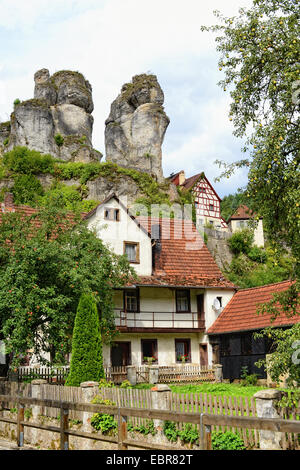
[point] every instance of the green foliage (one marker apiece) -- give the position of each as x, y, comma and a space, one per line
28, 413
17, 101
5, 142
104, 423
98, 400
145, 429
125, 384
226, 441
27, 189
259, 55
285, 359
257, 254
248, 379
42, 277
59, 140
290, 399
104, 384
241, 241
86, 360
71, 197
25, 161
188, 434
170, 431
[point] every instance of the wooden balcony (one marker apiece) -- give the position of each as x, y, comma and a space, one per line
159, 322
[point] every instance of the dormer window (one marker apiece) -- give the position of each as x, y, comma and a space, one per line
112, 214
132, 251
211, 207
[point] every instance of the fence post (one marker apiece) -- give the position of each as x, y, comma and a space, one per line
64, 426
131, 374
36, 393
160, 400
20, 426
218, 369
153, 374
122, 431
266, 408
89, 391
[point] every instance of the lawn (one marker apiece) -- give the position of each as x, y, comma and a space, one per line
219, 389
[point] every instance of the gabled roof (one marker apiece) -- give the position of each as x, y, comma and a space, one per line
240, 313
243, 212
126, 209
181, 257
191, 182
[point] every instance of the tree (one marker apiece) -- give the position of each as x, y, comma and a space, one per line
86, 360
46, 261
286, 360
259, 53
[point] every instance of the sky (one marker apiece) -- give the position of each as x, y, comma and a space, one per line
110, 41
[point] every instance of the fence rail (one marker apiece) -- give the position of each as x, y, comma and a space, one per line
204, 420
161, 320
118, 374
179, 403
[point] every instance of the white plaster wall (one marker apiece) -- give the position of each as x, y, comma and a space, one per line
114, 233
165, 347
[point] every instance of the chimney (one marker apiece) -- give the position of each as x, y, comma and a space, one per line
8, 204
181, 177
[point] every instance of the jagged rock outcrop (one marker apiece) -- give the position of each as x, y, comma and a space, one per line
135, 128
58, 119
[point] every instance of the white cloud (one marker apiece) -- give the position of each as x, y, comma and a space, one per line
109, 42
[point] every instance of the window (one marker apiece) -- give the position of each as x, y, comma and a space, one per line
131, 250
220, 300
149, 350
183, 301
183, 350
211, 207
202, 190
112, 214
131, 300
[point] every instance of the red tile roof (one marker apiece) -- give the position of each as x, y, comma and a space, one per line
181, 256
240, 313
243, 212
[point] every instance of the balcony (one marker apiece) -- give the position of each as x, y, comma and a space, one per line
159, 322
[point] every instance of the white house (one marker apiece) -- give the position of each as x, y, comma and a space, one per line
179, 293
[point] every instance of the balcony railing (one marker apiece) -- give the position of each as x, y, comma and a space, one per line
158, 320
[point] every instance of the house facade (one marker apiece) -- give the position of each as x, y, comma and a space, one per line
206, 200
178, 295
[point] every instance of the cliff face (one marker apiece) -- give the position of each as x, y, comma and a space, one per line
58, 119
136, 126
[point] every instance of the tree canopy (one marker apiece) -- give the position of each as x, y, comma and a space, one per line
260, 57
47, 260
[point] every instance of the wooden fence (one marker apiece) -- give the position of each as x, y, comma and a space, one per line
117, 375
206, 422
196, 403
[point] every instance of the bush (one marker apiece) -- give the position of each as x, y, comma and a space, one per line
227, 441
125, 384
27, 189
257, 254
17, 101
86, 360
241, 241
59, 140
104, 423
23, 160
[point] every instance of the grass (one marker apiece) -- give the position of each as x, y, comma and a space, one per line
222, 389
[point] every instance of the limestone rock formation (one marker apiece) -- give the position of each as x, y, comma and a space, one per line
136, 126
58, 119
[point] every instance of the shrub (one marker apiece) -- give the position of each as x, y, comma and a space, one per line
147, 428
17, 101
59, 140
257, 254
23, 160
241, 241
5, 142
27, 189
226, 441
86, 360
104, 423
189, 433
170, 431
125, 384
